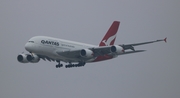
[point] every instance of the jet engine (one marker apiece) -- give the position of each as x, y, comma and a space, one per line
25, 58
116, 49
22, 58
86, 53
33, 58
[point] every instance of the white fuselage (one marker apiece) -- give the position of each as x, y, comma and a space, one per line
48, 46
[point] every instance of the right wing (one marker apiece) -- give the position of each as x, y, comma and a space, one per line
130, 46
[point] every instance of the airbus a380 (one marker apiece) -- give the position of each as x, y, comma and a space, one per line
77, 54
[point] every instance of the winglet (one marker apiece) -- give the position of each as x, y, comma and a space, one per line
165, 39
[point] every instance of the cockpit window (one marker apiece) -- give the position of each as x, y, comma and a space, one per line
31, 41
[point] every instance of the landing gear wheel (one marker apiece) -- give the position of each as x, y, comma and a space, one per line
80, 64
59, 65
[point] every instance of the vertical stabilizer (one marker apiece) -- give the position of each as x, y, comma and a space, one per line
110, 36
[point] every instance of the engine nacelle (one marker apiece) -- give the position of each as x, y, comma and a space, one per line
116, 49
86, 53
32, 58
22, 58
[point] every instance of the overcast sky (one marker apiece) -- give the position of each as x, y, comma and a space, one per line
151, 74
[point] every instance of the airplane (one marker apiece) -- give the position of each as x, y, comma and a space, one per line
77, 54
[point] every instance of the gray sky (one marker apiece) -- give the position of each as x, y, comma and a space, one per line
152, 74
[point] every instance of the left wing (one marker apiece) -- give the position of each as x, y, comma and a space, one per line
103, 50
92, 52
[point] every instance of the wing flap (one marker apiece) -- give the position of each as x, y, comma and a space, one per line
70, 53
103, 50
129, 52
97, 51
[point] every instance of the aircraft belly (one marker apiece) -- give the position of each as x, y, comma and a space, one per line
48, 51
65, 59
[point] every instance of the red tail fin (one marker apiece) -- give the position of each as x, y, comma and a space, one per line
110, 36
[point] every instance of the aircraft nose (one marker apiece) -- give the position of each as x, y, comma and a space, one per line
27, 46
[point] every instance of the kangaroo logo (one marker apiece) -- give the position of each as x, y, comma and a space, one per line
108, 41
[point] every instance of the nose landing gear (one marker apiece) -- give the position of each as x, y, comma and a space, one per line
59, 65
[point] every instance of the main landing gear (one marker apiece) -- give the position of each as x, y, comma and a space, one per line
80, 64
59, 65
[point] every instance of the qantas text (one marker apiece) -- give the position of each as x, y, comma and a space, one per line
50, 42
